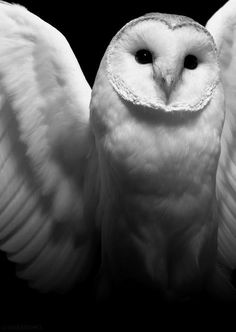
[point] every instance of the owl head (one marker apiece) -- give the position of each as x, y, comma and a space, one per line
163, 62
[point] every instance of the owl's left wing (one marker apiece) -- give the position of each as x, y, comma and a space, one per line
222, 26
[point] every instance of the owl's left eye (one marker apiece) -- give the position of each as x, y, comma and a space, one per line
143, 56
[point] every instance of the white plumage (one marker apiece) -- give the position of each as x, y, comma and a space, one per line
146, 163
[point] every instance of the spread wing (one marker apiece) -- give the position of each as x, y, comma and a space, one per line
223, 28
45, 147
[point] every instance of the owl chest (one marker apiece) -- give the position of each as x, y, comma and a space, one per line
164, 160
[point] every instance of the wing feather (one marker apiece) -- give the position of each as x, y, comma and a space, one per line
223, 28
45, 145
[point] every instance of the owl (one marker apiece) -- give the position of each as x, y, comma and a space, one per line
137, 172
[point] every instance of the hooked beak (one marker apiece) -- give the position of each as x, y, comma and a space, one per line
167, 83
165, 78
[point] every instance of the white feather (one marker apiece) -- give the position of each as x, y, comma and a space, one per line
222, 26
44, 140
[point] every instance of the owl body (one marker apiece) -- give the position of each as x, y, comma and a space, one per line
139, 170
158, 202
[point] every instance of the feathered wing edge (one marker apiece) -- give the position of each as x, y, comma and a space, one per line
222, 26
45, 144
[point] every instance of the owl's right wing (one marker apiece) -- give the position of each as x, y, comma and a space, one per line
47, 165
222, 26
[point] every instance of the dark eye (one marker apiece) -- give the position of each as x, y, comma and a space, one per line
190, 62
143, 57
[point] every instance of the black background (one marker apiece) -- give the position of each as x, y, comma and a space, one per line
89, 27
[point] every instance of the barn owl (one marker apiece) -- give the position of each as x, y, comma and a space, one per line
139, 170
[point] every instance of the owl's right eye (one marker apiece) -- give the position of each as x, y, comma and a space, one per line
143, 56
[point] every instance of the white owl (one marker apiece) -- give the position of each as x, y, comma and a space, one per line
141, 172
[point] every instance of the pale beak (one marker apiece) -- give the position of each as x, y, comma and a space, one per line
165, 77
167, 83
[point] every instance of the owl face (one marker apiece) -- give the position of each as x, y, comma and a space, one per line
163, 62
